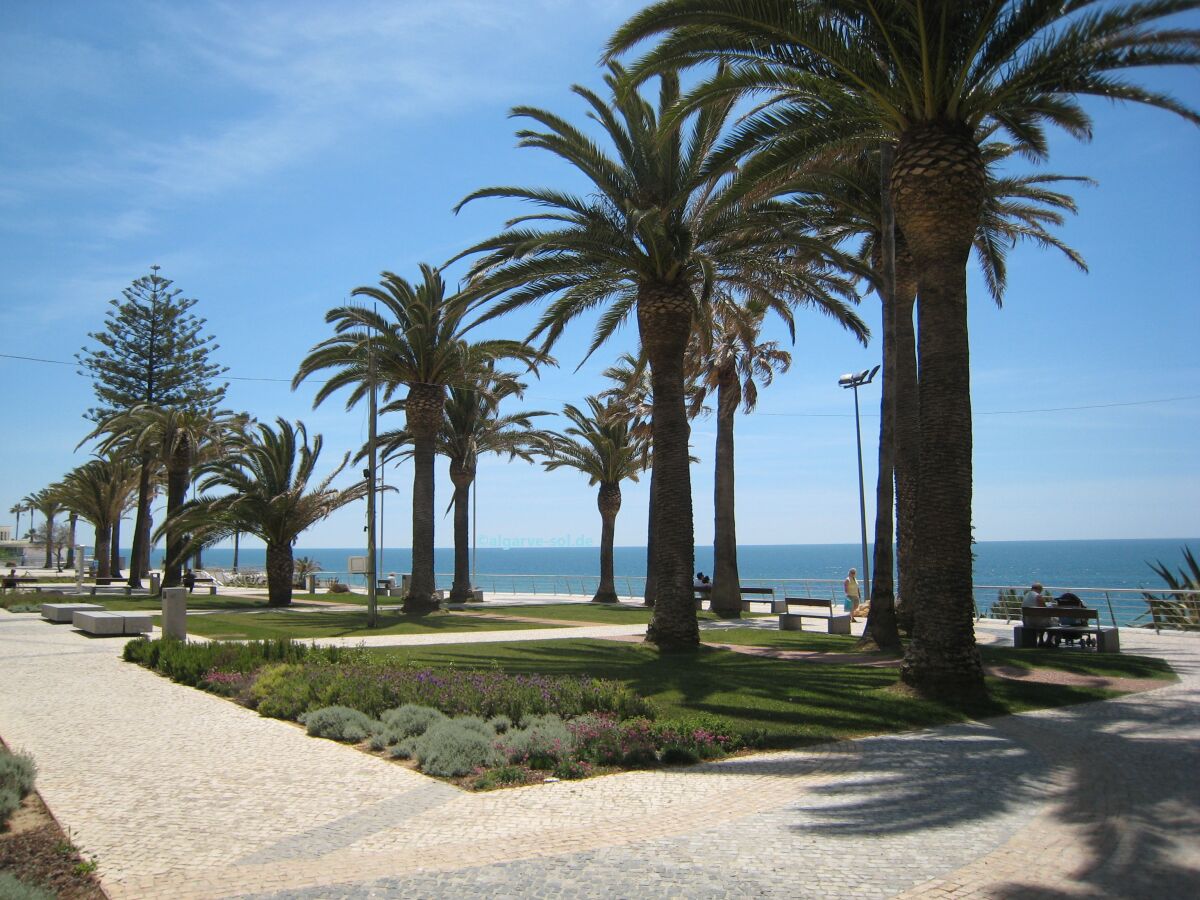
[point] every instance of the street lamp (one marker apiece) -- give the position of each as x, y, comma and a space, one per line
855, 381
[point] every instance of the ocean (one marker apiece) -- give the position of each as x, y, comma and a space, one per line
1096, 564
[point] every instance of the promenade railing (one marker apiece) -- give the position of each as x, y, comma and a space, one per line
1162, 610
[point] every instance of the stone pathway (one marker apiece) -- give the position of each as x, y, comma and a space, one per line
182, 794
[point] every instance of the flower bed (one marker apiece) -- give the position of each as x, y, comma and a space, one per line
485, 729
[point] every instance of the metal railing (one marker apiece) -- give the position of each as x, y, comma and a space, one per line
1171, 610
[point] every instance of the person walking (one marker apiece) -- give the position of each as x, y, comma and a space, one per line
850, 589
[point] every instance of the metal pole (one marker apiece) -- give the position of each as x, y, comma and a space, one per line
862, 503
372, 600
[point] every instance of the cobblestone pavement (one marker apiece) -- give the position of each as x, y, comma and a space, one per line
182, 794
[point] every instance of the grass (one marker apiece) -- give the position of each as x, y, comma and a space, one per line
1080, 662
812, 641
789, 703
304, 625
603, 613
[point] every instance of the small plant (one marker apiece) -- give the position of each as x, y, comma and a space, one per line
501, 776
17, 775
571, 769
448, 748
403, 749
12, 888
542, 743
1181, 608
337, 587
500, 724
1007, 605
86, 866
340, 723
410, 720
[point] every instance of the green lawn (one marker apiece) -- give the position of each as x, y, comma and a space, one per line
195, 601
1080, 662
788, 702
303, 625
606, 613
813, 641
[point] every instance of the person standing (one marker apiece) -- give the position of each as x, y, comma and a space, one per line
850, 589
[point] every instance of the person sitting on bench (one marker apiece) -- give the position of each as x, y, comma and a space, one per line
189, 580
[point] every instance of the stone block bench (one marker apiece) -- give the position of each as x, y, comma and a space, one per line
103, 622
836, 621
65, 612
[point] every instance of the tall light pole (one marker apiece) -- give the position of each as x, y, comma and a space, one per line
854, 381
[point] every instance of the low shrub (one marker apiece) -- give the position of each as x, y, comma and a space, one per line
502, 776
287, 691
190, 662
571, 769
12, 888
373, 687
403, 749
500, 724
686, 741
542, 743
17, 775
228, 684
449, 748
340, 723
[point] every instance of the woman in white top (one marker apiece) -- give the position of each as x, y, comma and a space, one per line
850, 588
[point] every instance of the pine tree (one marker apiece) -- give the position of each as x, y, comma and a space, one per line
151, 353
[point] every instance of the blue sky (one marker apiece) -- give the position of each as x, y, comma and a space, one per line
271, 157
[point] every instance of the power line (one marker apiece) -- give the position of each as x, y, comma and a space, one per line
995, 412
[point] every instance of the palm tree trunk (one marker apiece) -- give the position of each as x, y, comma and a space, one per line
665, 314
141, 526
49, 564
73, 520
177, 485
462, 477
423, 411
938, 185
726, 595
650, 592
880, 629
103, 546
608, 501
115, 549
280, 569
907, 454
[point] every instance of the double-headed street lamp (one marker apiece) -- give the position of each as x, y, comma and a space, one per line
855, 381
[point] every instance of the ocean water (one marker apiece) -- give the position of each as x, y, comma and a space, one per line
1106, 563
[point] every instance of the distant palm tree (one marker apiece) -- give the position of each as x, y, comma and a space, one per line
179, 439
267, 473
608, 448
733, 360
472, 425
652, 239
934, 78
16, 509
47, 502
418, 341
100, 492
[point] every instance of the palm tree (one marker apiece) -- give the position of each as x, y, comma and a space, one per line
267, 472
932, 77
419, 342
731, 357
100, 491
845, 198
178, 439
608, 448
652, 240
472, 425
47, 502
16, 509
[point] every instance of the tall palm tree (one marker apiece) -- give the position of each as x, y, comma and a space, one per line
931, 76
417, 341
608, 448
100, 491
267, 473
472, 425
47, 502
845, 198
651, 240
178, 439
733, 361
16, 509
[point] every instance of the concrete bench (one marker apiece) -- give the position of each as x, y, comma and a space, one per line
65, 612
836, 621
104, 623
704, 592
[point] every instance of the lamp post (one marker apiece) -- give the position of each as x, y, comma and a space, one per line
854, 381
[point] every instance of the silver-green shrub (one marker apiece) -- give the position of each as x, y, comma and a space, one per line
410, 720
12, 888
541, 743
341, 723
452, 748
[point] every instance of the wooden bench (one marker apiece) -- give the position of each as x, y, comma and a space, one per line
1037, 621
704, 591
14, 582
836, 620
